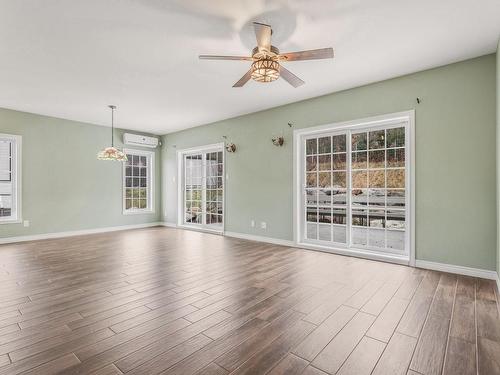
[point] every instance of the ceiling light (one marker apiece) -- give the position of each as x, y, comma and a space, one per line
265, 70
112, 153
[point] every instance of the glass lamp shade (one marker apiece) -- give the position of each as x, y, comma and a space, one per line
265, 70
111, 153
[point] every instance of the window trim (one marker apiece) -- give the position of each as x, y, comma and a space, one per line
383, 120
150, 209
17, 191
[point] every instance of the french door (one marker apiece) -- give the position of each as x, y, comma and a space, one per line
202, 188
355, 188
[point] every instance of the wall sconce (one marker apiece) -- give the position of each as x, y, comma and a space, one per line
278, 141
230, 147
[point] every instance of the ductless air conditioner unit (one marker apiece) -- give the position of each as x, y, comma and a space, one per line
140, 140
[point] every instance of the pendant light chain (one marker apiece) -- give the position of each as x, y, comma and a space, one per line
112, 125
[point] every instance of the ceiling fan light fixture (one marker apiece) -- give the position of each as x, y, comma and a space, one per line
265, 70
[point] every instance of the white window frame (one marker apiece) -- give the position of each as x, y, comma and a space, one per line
298, 209
180, 186
150, 209
16, 213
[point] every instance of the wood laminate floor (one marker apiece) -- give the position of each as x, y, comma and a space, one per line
168, 301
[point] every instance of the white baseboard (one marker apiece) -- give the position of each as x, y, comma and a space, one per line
243, 236
45, 236
461, 270
170, 225
193, 228
251, 237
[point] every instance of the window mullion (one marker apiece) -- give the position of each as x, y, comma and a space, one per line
204, 189
183, 182
349, 189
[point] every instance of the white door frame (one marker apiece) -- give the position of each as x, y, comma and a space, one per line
180, 185
16, 183
298, 134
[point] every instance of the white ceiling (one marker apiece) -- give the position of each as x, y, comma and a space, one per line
70, 59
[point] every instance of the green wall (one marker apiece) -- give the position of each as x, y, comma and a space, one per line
455, 158
64, 186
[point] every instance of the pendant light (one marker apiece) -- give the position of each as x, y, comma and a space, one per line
112, 153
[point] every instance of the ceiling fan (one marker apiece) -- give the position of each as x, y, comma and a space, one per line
266, 59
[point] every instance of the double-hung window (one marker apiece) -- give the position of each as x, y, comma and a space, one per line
138, 182
10, 180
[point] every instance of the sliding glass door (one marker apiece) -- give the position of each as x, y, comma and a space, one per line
326, 188
202, 188
355, 188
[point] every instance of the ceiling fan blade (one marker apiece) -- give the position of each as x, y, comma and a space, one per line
217, 57
244, 79
263, 35
291, 78
313, 54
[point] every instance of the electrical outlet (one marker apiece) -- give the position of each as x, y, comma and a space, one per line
26, 223
252, 223
263, 225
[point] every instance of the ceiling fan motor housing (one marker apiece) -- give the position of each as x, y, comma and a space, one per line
260, 52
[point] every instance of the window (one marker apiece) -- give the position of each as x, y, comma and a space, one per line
138, 182
10, 181
354, 187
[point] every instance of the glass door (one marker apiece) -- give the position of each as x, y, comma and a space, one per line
203, 189
326, 188
378, 189
355, 189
